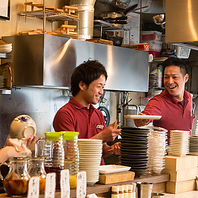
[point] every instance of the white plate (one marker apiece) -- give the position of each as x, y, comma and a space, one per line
149, 117
105, 169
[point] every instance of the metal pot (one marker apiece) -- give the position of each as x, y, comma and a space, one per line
117, 40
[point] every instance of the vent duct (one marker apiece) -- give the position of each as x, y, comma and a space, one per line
86, 17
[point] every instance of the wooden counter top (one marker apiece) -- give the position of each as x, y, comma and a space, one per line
101, 189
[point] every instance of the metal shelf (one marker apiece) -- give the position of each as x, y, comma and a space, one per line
106, 26
50, 15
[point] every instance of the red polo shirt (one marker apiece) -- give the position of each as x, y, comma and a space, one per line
75, 117
175, 115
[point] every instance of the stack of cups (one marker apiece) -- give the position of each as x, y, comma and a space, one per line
146, 190
90, 153
157, 150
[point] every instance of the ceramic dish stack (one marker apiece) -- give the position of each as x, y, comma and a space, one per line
193, 148
5, 47
156, 150
134, 145
179, 142
90, 153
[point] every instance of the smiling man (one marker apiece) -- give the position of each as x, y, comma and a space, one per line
79, 114
174, 104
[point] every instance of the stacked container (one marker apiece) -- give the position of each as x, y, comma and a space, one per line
153, 38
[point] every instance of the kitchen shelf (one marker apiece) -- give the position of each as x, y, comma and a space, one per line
50, 15
106, 26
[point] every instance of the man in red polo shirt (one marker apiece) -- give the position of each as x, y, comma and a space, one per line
174, 104
87, 84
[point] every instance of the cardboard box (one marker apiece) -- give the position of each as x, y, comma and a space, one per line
180, 187
180, 163
181, 175
116, 177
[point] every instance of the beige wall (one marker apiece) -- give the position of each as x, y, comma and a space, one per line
15, 24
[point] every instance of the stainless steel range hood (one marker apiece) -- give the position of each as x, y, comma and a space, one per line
48, 61
182, 23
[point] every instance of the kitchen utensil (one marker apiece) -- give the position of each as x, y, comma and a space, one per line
36, 168
16, 181
71, 161
115, 14
117, 40
90, 153
149, 117
51, 147
120, 15
22, 126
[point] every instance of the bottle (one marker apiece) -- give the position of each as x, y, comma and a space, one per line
36, 168
159, 75
71, 158
121, 191
54, 152
125, 191
115, 192
17, 180
130, 191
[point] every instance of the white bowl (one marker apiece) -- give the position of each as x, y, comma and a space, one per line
22, 126
6, 50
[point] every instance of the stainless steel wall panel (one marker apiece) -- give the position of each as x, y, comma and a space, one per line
51, 65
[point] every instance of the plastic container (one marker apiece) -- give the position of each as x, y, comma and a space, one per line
151, 35
17, 179
155, 45
71, 158
54, 152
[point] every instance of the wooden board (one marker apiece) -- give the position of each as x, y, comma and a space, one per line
180, 187
180, 163
116, 177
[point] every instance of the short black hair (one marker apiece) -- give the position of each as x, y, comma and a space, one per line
173, 61
86, 72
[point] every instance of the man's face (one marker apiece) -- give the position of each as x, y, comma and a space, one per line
95, 90
174, 81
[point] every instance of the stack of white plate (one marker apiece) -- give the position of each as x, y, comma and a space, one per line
156, 150
6, 48
179, 142
90, 153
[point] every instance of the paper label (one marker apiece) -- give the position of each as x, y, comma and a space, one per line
64, 184
50, 186
33, 187
92, 195
81, 185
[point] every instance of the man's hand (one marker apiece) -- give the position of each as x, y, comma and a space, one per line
113, 149
108, 134
141, 122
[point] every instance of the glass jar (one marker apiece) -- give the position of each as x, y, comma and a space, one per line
17, 179
54, 154
71, 160
36, 168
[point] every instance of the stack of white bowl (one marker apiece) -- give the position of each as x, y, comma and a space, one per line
6, 48
156, 150
179, 142
90, 153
